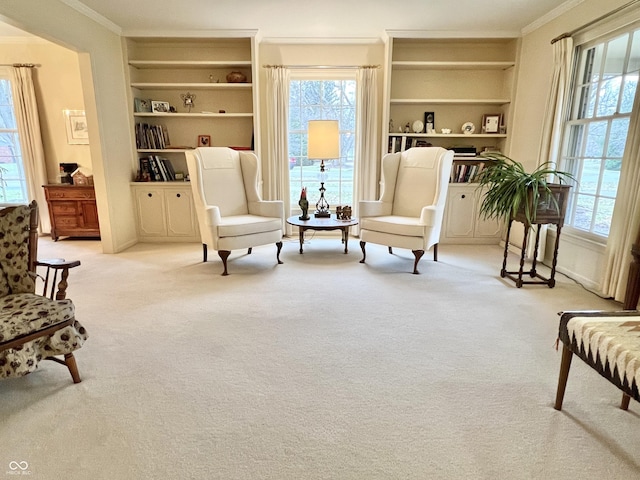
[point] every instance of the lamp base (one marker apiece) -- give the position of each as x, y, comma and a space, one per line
323, 214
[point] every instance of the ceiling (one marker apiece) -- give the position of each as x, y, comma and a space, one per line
351, 19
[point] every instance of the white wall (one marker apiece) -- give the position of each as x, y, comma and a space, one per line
581, 259
102, 71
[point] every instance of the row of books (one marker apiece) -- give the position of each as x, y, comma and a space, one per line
151, 136
156, 169
465, 173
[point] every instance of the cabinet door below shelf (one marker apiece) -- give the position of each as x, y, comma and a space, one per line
150, 206
180, 213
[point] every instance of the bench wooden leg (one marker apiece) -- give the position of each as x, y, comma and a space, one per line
624, 405
565, 365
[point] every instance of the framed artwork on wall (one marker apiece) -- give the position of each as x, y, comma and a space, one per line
75, 122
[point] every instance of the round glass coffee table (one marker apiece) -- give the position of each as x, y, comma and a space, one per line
323, 223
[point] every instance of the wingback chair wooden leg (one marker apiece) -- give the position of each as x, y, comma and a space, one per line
364, 253
624, 405
418, 254
279, 245
224, 254
435, 252
204, 252
390, 250
250, 250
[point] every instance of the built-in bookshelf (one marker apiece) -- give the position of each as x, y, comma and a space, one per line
449, 92
181, 95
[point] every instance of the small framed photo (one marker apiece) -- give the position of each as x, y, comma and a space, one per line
491, 122
159, 107
141, 105
429, 122
204, 140
76, 124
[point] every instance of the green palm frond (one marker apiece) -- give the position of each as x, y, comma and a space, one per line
507, 187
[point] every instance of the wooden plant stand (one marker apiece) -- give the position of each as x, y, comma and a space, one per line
550, 213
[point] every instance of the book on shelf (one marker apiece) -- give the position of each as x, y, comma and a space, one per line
465, 172
154, 137
156, 169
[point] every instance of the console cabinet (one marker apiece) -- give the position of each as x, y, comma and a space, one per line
165, 212
72, 210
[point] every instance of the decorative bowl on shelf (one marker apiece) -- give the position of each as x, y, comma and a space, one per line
236, 77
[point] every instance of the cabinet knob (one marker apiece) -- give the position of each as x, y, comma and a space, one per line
463, 196
150, 194
178, 195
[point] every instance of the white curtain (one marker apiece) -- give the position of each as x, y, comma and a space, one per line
553, 122
26, 109
277, 186
626, 213
367, 138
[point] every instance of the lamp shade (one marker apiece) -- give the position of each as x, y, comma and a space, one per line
323, 139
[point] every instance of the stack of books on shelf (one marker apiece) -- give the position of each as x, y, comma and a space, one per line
156, 169
151, 137
465, 173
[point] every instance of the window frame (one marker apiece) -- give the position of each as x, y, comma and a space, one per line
583, 42
325, 74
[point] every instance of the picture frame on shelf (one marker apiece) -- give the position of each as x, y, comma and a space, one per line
429, 122
141, 105
75, 122
159, 107
204, 140
491, 122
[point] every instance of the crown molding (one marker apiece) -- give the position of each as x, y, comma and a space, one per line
552, 15
451, 34
322, 40
93, 15
229, 33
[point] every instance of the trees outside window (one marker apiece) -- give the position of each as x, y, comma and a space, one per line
321, 99
13, 186
605, 86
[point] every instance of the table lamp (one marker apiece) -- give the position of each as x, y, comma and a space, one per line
323, 143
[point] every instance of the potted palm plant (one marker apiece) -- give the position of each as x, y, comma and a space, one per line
510, 192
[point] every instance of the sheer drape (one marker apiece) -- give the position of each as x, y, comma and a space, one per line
626, 213
553, 121
277, 174
367, 139
26, 109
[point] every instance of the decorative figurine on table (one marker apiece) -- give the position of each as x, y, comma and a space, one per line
304, 204
343, 213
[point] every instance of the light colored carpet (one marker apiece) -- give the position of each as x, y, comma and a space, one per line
321, 368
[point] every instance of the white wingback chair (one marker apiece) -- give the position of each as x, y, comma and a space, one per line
411, 206
230, 212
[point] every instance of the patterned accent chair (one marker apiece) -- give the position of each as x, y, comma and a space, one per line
33, 327
231, 212
411, 207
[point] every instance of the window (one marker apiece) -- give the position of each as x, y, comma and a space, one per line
605, 85
318, 99
13, 186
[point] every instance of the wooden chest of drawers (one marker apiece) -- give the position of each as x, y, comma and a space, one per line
72, 210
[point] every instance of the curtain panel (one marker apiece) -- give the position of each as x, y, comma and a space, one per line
26, 109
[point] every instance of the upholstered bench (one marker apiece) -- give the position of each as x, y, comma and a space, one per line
609, 342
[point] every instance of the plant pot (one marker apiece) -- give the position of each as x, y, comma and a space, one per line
551, 208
